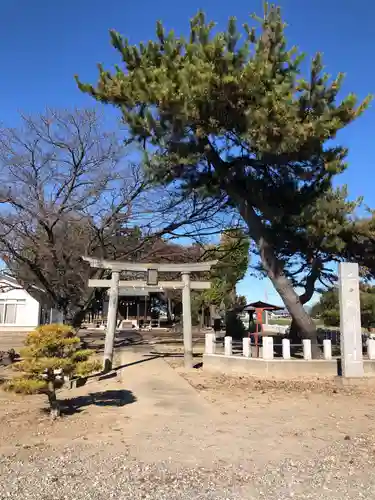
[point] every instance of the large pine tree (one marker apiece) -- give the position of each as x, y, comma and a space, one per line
234, 117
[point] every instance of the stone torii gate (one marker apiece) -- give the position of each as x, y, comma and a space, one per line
151, 284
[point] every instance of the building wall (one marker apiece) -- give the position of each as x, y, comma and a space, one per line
27, 310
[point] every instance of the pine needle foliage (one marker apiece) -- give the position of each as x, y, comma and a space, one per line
51, 354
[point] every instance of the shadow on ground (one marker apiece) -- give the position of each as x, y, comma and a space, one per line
106, 398
153, 355
172, 354
95, 340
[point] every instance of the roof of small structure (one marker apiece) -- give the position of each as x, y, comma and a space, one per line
248, 308
9, 279
261, 305
11, 283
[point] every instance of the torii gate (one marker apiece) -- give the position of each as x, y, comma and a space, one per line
152, 284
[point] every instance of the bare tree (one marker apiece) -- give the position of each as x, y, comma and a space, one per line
67, 189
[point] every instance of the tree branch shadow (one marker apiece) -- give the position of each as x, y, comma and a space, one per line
115, 398
148, 358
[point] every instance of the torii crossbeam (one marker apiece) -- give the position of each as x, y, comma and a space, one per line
151, 284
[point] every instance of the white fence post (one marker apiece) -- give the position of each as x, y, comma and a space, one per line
246, 347
228, 346
286, 348
268, 348
327, 349
210, 343
306, 349
371, 349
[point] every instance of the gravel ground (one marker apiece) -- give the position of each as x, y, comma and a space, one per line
344, 470
101, 474
228, 438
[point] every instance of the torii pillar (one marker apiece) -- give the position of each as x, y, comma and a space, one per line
186, 321
111, 322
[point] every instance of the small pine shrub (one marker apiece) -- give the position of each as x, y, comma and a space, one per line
51, 353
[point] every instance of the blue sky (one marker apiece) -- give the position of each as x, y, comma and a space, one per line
44, 43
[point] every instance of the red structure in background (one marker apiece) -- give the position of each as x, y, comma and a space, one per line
259, 307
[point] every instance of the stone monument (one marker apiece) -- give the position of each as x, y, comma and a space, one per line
350, 321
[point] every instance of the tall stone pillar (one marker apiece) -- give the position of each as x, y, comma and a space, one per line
111, 322
350, 321
186, 321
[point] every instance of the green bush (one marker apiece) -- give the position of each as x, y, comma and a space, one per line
51, 354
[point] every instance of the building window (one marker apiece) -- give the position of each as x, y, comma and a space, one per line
11, 311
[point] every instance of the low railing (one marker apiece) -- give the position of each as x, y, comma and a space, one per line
267, 350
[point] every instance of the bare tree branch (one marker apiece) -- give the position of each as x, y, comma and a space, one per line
69, 188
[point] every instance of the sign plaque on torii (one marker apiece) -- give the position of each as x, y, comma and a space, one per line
150, 284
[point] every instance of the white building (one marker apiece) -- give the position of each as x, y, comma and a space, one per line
19, 310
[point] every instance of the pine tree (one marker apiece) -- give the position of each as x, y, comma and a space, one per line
312, 243
51, 353
234, 118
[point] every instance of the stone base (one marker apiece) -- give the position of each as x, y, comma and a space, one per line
355, 381
284, 368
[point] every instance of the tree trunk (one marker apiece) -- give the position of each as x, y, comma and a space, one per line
316, 268
53, 402
294, 333
77, 318
292, 302
274, 270
232, 297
